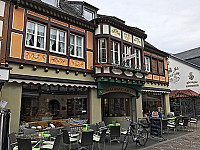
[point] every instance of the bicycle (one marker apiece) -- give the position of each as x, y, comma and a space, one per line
138, 132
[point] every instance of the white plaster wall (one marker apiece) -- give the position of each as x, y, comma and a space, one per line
184, 70
1, 27
2, 7
105, 29
97, 30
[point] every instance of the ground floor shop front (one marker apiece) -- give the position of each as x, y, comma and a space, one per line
35, 102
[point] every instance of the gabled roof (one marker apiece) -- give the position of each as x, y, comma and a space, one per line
183, 93
188, 54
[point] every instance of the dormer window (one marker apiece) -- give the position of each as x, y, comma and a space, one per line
52, 2
88, 14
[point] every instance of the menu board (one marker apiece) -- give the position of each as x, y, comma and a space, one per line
156, 127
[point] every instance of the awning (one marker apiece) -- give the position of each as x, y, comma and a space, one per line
155, 90
51, 81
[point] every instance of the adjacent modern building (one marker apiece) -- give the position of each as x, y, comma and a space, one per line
70, 62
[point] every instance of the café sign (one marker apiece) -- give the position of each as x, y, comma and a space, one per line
119, 89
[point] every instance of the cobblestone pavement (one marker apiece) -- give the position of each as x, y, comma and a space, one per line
189, 141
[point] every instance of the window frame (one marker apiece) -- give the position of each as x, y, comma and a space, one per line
125, 54
159, 71
147, 63
75, 45
57, 41
100, 50
136, 58
113, 55
36, 35
89, 11
156, 62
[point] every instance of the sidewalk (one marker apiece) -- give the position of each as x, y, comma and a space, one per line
189, 141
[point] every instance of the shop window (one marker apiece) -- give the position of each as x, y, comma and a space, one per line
152, 102
115, 53
160, 67
35, 35
126, 54
137, 59
57, 41
116, 107
102, 51
76, 46
147, 63
154, 66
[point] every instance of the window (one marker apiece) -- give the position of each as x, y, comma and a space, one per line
76, 46
115, 53
89, 15
57, 41
35, 35
102, 51
147, 63
154, 66
137, 60
116, 107
126, 53
160, 67
52, 2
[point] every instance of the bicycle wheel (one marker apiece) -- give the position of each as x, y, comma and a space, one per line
125, 142
142, 136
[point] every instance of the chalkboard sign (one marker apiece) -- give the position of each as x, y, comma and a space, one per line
156, 127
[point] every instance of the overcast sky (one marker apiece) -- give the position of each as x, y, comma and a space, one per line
171, 25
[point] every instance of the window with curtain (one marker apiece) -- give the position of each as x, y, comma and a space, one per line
160, 67
154, 66
35, 35
147, 63
126, 53
57, 41
102, 58
76, 46
115, 53
137, 59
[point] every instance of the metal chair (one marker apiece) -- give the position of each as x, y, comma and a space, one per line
67, 139
164, 125
25, 144
115, 133
13, 141
28, 131
101, 139
86, 140
174, 125
54, 132
184, 124
56, 144
193, 121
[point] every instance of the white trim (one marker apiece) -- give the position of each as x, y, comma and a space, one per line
113, 49
57, 41
35, 35
75, 45
50, 83
154, 91
2, 6
101, 50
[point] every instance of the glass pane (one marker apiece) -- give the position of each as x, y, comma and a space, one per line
30, 27
29, 39
71, 39
53, 45
79, 51
40, 30
40, 42
61, 47
72, 50
88, 15
62, 36
79, 41
53, 34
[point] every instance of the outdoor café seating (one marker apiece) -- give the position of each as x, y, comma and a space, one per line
100, 138
86, 140
13, 141
67, 140
114, 133
25, 144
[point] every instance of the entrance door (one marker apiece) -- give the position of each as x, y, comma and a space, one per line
54, 107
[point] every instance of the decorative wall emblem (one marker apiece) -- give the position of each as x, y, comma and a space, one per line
191, 83
127, 37
115, 32
137, 40
174, 75
191, 76
35, 56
